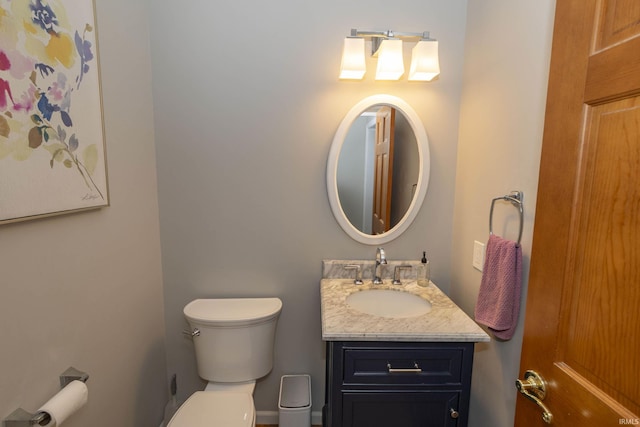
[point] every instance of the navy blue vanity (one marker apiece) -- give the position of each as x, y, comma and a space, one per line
399, 384
394, 369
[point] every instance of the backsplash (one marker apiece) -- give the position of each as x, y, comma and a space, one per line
334, 269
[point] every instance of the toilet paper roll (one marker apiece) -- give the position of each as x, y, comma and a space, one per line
65, 403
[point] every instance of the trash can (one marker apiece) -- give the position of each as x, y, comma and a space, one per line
294, 403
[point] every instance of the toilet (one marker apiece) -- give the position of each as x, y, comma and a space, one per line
233, 340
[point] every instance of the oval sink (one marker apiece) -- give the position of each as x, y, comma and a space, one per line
388, 303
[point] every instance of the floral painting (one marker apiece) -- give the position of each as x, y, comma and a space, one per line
52, 151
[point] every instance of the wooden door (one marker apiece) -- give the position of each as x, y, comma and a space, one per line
582, 328
383, 177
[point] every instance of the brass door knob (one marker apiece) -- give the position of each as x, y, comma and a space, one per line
533, 387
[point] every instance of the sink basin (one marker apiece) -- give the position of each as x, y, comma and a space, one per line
388, 303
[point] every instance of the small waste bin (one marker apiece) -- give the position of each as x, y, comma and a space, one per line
294, 404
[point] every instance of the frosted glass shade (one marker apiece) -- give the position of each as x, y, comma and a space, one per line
390, 61
424, 61
353, 65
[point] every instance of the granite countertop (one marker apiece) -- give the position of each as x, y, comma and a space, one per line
446, 322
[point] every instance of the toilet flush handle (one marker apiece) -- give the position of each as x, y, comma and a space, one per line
194, 333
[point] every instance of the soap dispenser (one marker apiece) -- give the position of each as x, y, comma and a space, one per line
424, 271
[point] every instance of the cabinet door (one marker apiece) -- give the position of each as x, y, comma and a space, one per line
400, 409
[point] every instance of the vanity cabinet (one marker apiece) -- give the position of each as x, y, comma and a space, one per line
399, 384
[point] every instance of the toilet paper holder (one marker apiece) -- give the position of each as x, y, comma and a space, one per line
22, 418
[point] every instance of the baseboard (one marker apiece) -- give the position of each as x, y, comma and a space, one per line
267, 417
271, 417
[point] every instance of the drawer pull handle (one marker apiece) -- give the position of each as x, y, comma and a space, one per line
415, 369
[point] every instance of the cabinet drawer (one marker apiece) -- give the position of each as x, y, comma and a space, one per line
403, 366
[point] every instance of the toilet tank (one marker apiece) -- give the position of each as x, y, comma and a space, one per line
236, 337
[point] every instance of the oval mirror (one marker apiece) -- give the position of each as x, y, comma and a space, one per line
378, 169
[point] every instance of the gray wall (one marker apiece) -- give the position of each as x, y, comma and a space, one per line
247, 101
85, 290
406, 168
501, 121
351, 173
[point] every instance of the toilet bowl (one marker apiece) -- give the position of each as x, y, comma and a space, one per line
233, 340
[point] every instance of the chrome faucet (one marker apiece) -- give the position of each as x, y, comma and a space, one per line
380, 259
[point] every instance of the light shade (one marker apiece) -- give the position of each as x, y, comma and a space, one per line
424, 61
353, 65
390, 61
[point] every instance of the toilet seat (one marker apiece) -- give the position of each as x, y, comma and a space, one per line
215, 409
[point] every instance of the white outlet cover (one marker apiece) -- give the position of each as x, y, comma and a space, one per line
478, 255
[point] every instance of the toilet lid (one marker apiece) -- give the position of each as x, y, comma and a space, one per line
215, 409
232, 311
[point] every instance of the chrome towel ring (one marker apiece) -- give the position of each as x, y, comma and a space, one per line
516, 200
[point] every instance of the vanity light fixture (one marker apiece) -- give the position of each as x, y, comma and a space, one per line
387, 47
390, 60
353, 60
424, 61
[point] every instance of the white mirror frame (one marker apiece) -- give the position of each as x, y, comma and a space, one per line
423, 175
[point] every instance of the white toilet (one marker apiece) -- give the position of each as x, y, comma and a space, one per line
233, 341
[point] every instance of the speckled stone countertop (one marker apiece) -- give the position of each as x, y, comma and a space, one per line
445, 322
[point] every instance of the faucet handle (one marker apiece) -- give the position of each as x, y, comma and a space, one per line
358, 279
396, 279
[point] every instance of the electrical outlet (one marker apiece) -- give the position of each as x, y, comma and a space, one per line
478, 255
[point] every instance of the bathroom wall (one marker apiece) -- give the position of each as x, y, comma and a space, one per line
351, 181
506, 67
247, 101
406, 169
85, 290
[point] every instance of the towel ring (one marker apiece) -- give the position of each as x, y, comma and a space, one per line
516, 200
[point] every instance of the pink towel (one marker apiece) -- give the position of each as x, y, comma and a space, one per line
498, 302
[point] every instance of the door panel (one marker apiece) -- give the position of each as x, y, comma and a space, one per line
582, 328
619, 22
383, 175
606, 271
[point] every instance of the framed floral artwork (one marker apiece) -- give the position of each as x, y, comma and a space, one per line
52, 148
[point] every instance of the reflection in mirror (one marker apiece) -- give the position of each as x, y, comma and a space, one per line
378, 169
